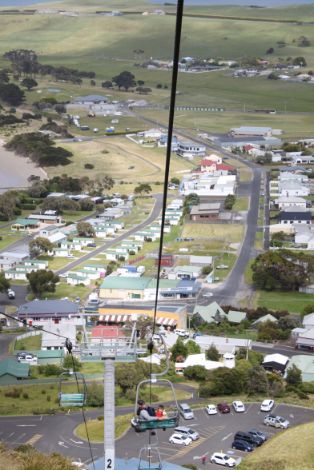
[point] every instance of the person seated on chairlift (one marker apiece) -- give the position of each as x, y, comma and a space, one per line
161, 413
146, 413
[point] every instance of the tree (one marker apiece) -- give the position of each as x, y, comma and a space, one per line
198, 373
11, 94
206, 270
127, 376
175, 181
308, 309
280, 270
85, 229
143, 90
273, 76
4, 283
42, 281
142, 188
192, 347
106, 84
29, 83
71, 362
124, 80
225, 381
179, 349
257, 380
299, 61
270, 50
294, 376
39, 245
212, 353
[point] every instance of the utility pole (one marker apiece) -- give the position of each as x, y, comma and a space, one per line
109, 413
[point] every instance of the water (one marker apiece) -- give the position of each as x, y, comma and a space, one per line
22, 3
262, 3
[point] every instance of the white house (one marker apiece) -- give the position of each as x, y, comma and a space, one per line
190, 150
285, 202
208, 185
76, 278
304, 235
291, 188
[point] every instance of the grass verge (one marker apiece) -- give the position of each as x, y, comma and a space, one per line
95, 428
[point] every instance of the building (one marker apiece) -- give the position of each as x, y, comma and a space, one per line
204, 184
295, 217
55, 339
275, 363
211, 313
249, 131
265, 318
203, 212
24, 225
89, 100
305, 340
188, 149
200, 360
224, 345
47, 218
306, 365
188, 272
294, 202
308, 321
12, 371
45, 310
234, 316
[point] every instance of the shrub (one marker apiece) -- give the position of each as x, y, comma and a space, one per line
100, 418
48, 398
308, 387
88, 166
205, 390
14, 393
25, 395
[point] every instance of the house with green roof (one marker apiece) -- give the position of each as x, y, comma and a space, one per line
306, 365
24, 225
75, 278
124, 288
234, 316
12, 371
211, 313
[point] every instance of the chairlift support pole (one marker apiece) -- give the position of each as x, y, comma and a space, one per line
109, 413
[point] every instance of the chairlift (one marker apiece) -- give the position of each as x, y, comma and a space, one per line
68, 400
171, 420
149, 459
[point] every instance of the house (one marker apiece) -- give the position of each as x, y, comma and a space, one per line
234, 316
294, 217
294, 202
203, 212
163, 142
173, 289
151, 134
205, 184
265, 318
231, 142
12, 371
304, 235
308, 321
275, 363
292, 188
188, 272
81, 242
197, 360
202, 260
306, 365
190, 150
223, 344
43, 310
124, 288
117, 254
305, 341
303, 159
131, 271
76, 278
211, 313
10, 259
24, 225
165, 261
47, 218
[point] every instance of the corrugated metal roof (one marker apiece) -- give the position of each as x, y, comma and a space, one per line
47, 307
130, 283
12, 367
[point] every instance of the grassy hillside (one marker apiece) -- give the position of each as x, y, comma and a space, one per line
290, 450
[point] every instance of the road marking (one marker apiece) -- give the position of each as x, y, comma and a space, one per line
60, 443
10, 435
227, 436
26, 425
34, 439
77, 442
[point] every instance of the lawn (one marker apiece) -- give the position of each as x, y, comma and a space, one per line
294, 302
231, 233
32, 343
241, 204
95, 428
7, 237
66, 290
289, 450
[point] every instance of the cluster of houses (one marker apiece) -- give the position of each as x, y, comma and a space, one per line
290, 194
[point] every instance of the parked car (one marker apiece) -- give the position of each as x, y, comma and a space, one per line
11, 294
91, 245
196, 334
222, 266
22, 355
238, 406
242, 445
223, 407
267, 405
194, 435
276, 421
245, 436
181, 333
256, 432
177, 438
186, 411
223, 459
211, 409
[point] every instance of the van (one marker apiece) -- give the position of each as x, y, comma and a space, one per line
245, 436
186, 411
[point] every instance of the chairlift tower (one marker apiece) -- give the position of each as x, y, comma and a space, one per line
109, 344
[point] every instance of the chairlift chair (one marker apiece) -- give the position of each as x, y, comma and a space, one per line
149, 459
78, 399
172, 419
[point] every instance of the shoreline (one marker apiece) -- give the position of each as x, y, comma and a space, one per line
15, 170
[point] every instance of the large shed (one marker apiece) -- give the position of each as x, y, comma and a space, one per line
12, 371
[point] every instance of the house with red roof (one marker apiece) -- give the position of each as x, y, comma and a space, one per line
214, 168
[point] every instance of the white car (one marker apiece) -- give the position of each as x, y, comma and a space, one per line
238, 406
223, 459
208, 294
181, 333
211, 409
267, 405
180, 439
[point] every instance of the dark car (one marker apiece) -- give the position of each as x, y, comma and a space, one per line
92, 245
245, 436
242, 445
223, 407
256, 432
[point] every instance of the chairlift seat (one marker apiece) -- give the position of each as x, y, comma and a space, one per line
72, 399
141, 425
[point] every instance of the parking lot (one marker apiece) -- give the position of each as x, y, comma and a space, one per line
216, 434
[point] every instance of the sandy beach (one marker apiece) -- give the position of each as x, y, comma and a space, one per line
14, 170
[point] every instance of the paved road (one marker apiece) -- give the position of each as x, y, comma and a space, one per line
55, 433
